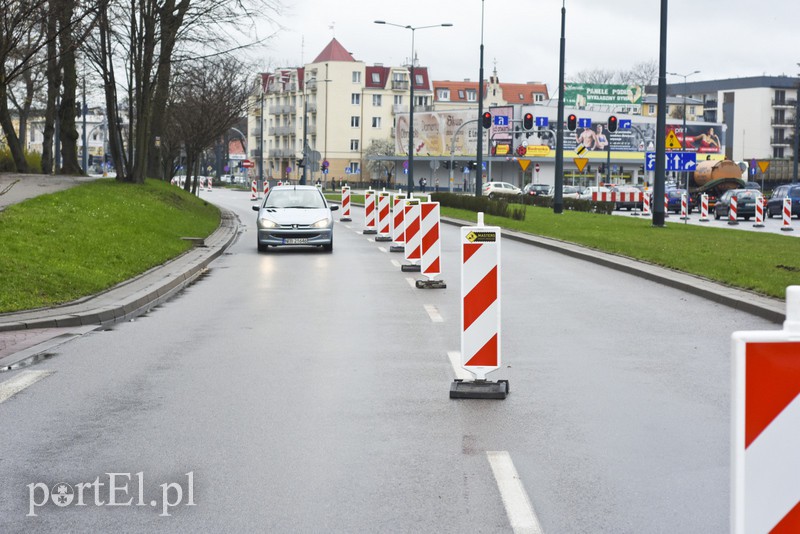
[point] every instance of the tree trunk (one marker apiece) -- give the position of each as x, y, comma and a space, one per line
53, 76
69, 133
8, 127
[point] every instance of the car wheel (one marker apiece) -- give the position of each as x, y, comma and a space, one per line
491, 196
328, 247
770, 215
716, 215
747, 218
262, 248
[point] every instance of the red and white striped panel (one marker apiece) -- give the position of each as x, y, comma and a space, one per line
760, 210
253, 190
787, 214
413, 237
646, 204
684, 205
209, 183
398, 216
734, 209
266, 186
766, 434
704, 207
480, 299
431, 244
346, 202
383, 213
369, 209
617, 197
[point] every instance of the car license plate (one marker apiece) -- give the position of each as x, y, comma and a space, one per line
295, 241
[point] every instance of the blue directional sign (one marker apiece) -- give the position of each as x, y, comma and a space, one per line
624, 124
542, 121
650, 161
501, 120
584, 123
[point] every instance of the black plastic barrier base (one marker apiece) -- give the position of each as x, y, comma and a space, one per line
478, 389
397, 248
410, 268
345, 219
370, 232
383, 238
431, 284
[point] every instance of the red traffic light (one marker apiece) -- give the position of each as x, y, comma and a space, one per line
486, 120
572, 122
527, 121
522, 150
612, 123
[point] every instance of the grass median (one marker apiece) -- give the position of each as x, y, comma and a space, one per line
63, 246
762, 262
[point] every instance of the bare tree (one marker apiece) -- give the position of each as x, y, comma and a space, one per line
210, 98
375, 164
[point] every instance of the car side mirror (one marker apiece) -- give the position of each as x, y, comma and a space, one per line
334, 207
256, 208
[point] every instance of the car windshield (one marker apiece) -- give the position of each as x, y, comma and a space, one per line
294, 198
748, 194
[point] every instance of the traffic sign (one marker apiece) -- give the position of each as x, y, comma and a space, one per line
763, 165
542, 121
539, 151
580, 163
501, 120
247, 164
672, 142
624, 124
536, 168
650, 161
523, 163
681, 161
584, 123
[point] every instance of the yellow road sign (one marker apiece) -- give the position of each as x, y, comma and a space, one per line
524, 164
763, 165
580, 163
537, 151
672, 141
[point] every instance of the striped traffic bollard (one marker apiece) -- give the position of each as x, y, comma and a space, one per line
266, 187
732, 211
369, 212
646, 204
384, 230
209, 184
666, 204
345, 204
766, 426
787, 215
684, 207
431, 263
280, 182
480, 312
254, 191
704, 207
398, 222
412, 237
759, 212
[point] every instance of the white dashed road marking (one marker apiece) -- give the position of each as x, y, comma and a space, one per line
12, 386
455, 361
518, 506
433, 312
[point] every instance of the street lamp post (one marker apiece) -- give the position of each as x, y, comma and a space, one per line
796, 132
558, 194
684, 76
413, 29
479, 170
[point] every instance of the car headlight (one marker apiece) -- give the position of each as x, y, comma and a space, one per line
266, 223
322, 223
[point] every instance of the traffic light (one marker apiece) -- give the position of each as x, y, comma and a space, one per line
572, 122
300, 163
612, 123
527, 121
486, 120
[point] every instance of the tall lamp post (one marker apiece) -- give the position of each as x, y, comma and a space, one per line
684, 76
796, 131
479, 162
558, 194
413, 29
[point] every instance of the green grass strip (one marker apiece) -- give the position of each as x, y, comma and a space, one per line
59, 247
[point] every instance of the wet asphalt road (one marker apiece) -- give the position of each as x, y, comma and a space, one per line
308, 392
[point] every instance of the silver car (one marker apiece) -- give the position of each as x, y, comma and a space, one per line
295, 215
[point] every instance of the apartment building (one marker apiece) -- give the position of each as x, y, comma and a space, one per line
453, 95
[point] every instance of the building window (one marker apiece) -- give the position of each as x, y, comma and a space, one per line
471, 95
376, 122
443, 94
355, 99
691, 111
354, 167
538, 97
398, 100
418, 79
376, 77
376, 100
651, 108
355, 121
777, 152
461, 94
521, 96
356, 76
354, 145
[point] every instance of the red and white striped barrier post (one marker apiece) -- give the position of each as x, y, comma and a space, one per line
766, 426
254, 191
666, 204
398, 222
646, 204
384, 224
431, 246
280, 182
480, 312
732, 211
684, 207
266, 186
209, 184
413, 237
787, 215
345, 204
370, 202
760, 200
704, 207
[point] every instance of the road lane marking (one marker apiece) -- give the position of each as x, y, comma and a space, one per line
455, 361
433, 312
396, 263
383, 249
412, 282
518, 506
12, 386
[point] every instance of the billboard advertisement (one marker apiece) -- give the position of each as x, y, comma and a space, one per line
583, 95
435, 133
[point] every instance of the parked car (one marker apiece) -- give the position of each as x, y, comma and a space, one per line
627, 205
745, 203
775, 202
537, 190
586, 194
571, 191
674, 201
500, 189
295, 215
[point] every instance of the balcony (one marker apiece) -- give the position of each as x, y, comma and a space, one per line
399, 108
710, 105
782, 123
311, 85
783, 103
312, 107
779, 142
281, 153
400, 85
275, 110
255, 153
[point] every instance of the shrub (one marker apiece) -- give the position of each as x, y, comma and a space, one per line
34, 160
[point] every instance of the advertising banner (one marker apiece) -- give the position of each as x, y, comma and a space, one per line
581, 95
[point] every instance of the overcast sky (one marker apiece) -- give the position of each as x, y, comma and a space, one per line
722, 39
